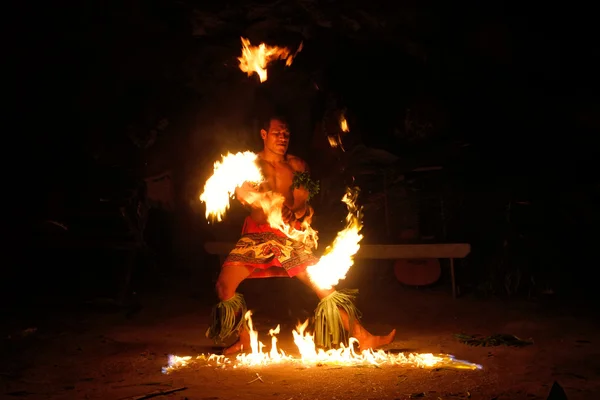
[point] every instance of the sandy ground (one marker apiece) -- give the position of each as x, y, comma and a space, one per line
115, 355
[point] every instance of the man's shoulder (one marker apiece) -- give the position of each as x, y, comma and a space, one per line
297, 163
294, 159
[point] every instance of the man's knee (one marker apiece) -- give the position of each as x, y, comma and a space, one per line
224, 290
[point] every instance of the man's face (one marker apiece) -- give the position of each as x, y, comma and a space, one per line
277, 138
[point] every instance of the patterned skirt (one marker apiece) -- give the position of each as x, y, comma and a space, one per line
269, 253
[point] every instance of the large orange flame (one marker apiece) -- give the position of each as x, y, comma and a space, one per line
255, 59
228, 174
338, 258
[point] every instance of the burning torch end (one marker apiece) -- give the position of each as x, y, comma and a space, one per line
312, 273
451, 362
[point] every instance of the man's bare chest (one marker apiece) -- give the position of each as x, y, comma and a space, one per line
280, 175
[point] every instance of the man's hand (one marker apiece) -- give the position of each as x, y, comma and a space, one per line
304, 212
288, 215
243, 193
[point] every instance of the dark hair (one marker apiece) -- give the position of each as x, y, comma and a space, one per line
267, 122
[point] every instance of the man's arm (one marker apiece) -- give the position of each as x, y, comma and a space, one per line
244, 192
301, 194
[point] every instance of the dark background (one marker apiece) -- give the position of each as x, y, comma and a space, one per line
502, 96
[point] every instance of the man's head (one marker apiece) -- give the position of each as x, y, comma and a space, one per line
276, 135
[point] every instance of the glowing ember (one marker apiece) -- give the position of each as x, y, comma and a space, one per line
311, 356
255, 59
338, 258
230, 173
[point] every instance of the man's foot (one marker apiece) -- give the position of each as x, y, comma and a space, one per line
243, 343
367, 341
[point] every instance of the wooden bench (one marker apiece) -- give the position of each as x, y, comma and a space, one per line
450, 251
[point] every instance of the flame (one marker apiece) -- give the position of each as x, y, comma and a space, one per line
344, 124
230, 173
338, 258
274, 353
255, 59
310, 355
272, 203
333, 141
336, 140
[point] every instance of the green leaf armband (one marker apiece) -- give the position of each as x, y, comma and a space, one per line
302, 179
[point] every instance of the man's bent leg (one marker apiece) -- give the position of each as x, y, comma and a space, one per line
230, 278
228, 314
336, 315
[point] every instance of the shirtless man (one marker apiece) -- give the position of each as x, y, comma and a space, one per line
265, 252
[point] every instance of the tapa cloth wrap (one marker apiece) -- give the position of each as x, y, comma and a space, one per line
268, 252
